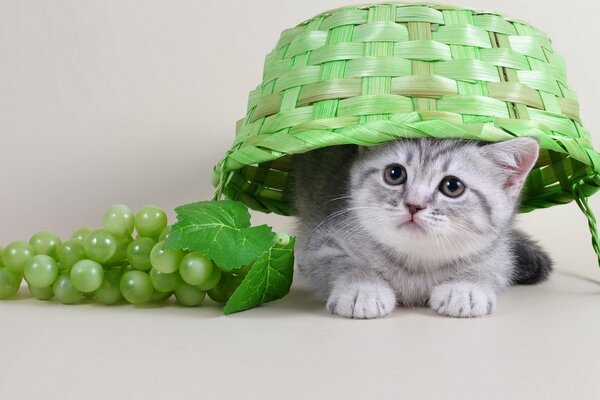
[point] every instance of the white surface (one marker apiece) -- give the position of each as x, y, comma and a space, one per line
133, 102
540, 344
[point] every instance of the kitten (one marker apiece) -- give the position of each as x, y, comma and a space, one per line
416, 222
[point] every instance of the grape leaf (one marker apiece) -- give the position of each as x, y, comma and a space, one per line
221, 231
269, 279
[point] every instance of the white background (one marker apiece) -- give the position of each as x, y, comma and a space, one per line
105, 102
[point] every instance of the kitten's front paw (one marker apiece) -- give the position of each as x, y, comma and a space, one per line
362, 300
462, 299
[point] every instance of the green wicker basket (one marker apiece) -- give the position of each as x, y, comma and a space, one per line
368, 74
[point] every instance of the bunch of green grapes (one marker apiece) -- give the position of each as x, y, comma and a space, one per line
111, 266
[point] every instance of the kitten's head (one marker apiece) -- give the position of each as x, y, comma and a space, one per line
439, 199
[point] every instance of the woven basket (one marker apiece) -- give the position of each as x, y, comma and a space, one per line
369, 74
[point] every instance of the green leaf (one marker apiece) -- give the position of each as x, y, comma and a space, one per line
269, 279
221, 231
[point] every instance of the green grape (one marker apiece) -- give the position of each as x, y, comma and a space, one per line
150, 221
70, 252
219, 294
136, 287
45, 242
44, 293
81, 234
122, 245
1, 263
9, 283
225, 288
165, 261
100, 246
87, 275
138, 253
243, 271
195, 269
64, 290
164, 282
16, 254
188, 295
158, 296
41, 271
109, 292
212, 281
282, 239
118, 220
164, 234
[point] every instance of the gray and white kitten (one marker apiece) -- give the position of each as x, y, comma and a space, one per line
416, 222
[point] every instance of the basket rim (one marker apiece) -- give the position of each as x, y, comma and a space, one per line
409, 122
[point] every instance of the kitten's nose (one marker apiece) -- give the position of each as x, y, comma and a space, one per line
414, 208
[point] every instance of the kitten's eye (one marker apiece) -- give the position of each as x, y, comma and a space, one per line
451, 186
394, 174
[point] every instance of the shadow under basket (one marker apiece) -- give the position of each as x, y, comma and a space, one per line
369, 74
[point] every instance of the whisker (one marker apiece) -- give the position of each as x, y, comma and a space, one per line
338, 198
336, 214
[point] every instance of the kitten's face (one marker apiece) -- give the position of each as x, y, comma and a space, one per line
436, 199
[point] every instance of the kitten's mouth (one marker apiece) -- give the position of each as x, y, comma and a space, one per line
412, 226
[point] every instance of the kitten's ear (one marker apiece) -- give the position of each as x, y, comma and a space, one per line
516, 157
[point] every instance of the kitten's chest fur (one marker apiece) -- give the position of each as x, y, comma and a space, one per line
412, 279
412, 285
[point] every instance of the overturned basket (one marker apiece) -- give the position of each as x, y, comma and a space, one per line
369, 74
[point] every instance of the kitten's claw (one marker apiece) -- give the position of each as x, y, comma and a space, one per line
362, 300
462, 299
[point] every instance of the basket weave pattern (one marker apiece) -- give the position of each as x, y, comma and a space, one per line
370, 74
